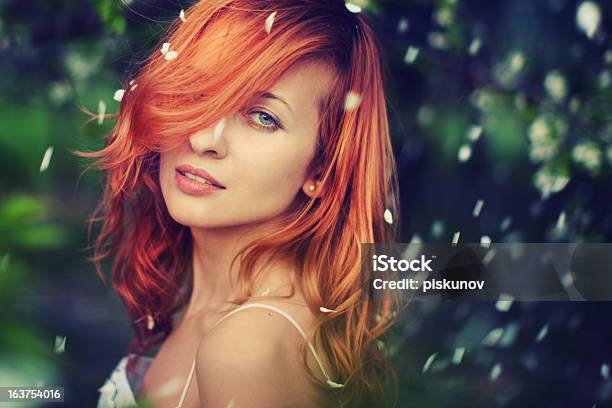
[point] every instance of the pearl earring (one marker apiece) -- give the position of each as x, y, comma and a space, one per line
311, 187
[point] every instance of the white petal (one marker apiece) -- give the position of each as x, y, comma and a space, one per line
326, 310
477, 208
269, 22
458, 355
165, 48
542, 333
118, 96
493, 336
101, 112
485, 241
504, 302
495, 372
464, 153
219, 129
456, 236
353, 8
182, 16
60, 344
171, 55
46, 159
351, 101
605, 371
411, 54
150, 322
334, 384
388, 216
430, 360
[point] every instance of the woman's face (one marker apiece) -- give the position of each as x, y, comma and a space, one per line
261, 167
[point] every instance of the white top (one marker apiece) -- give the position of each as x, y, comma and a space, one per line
119, 390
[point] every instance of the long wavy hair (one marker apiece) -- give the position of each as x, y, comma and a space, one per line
170, 99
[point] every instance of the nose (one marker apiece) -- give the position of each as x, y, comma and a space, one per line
210, 140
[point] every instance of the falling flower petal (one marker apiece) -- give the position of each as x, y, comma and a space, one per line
458, 355
171, 55
388, 216
493, 336
489, 256
475, 46
326, 310
464, 153
504, 302
605, 371
542, 333
505, 224
353, 8
101, 112
334, 384
150, 322
477, 208
269, 22
118, 96
351, 101
485, 241
219, 129
46, 159
495, 372
60, 344
165, 48
411, 54
265, 292
430, 360
473, 133
182, 16
456, 237
403, 25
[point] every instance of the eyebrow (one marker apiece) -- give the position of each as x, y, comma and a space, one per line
270, 95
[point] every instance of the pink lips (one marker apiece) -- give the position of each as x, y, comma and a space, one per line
196, 187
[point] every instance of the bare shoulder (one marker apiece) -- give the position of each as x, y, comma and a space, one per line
253, 358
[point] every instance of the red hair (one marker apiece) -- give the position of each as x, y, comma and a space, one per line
212, 78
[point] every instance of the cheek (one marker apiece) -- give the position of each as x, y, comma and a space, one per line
279, 175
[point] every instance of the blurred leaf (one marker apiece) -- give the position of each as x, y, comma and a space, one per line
110, 14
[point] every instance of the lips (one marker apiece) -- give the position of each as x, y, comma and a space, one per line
183, 169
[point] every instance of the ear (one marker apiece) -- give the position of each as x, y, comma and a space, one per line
312, 185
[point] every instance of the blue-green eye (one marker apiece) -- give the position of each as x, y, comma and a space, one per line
266, 121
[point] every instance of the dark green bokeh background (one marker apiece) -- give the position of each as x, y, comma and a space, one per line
517, 83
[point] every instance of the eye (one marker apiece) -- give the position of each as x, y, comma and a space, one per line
265, 121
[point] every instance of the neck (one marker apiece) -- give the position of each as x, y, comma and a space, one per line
213, 252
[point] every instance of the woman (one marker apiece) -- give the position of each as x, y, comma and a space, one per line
250, 159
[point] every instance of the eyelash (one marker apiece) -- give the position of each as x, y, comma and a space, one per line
273, 128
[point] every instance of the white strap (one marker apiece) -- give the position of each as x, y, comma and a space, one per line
186, 387
288, 317
330, 382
